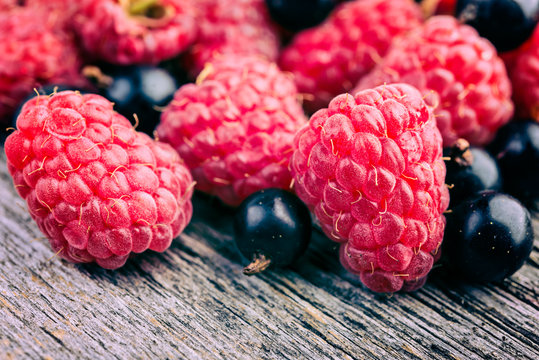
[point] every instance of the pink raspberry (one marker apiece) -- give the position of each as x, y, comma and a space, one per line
235, 127
96, 188
523, 67
329, 59
8, 4
457, 71
34, 53
61, 11
133, 32
240, 27
370, 167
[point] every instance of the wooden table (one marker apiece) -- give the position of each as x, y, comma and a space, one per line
192, 302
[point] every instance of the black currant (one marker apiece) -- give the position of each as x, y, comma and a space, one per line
272, 227
469, 171
295, 15
141, 90
506, 23
516, 147
488, 237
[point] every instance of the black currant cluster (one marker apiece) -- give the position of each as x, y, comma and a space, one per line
489, 234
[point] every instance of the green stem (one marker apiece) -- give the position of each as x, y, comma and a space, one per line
141, 7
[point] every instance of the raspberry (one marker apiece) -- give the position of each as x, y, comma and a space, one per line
134, 32
235, 127
95, 187
446, 7
60, 10
8, 4
523, 66
370, 167
459, 74
34, 53
240, 27
329, 59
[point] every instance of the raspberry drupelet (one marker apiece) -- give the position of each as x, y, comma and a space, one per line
135, 32
96, 188
34, 53
458, 72
370, 168
240, 27
523, 67
329, 59
235, 127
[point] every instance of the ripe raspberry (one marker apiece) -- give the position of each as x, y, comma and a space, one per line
329, 59
134, 32
34, 53
235, 128
240, 27
61, 11
446, 7
371, 169
523, 67
8, 4
459, 74
96, 188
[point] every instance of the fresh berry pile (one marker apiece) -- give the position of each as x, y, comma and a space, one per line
419, 122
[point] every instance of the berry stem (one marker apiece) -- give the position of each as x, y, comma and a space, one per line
469, 13
93, 72
141, 7
149, 13
259, 264
460, 153
428, 7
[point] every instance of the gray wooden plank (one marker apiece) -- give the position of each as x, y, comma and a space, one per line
193, 302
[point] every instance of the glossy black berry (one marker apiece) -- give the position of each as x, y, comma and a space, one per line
272, 227
469, 171
295, 15
516, 147
141, 90
488, 238
506, 23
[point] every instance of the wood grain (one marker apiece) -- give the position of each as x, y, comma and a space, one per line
192, 302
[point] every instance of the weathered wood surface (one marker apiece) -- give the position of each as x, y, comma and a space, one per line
192, 302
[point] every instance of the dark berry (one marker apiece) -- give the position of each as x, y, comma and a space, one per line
488, 237
295, 15
141, 90
506, 23
516, 147
272, 227
469, 171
